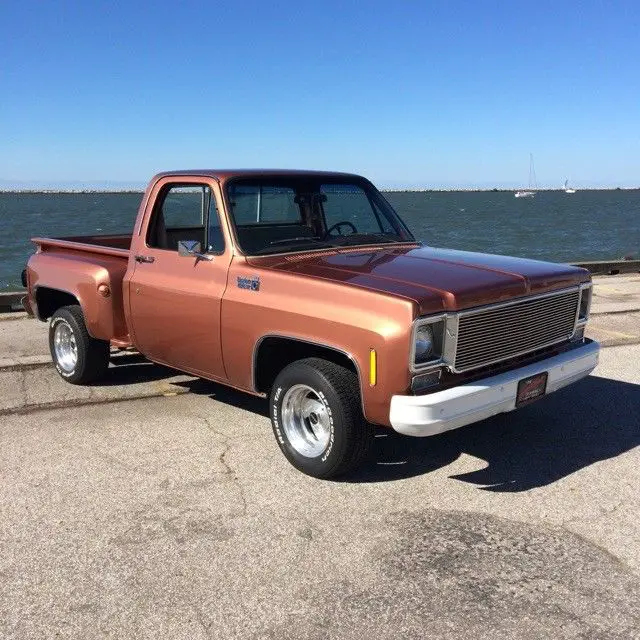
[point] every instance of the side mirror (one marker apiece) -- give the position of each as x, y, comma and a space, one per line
192, 248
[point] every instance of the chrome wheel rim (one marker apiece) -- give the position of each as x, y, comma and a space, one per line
305, 421
65, 347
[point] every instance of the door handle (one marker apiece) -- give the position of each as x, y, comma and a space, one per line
144, 259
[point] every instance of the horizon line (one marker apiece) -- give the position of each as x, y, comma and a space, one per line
141, 190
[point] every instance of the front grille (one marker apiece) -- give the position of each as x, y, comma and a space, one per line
504, 331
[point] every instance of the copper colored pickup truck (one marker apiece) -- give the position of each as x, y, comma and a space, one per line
307, 287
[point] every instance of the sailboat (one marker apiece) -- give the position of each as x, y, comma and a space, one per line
568, 189
529, 193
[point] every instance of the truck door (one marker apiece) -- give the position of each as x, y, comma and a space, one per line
179, 278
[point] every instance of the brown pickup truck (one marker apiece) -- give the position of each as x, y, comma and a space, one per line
307, 287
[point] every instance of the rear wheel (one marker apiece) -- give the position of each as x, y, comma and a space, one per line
78, 358
317, 419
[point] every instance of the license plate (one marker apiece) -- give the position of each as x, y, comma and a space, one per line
532, 388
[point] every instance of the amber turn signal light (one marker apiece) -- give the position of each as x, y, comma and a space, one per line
373, 367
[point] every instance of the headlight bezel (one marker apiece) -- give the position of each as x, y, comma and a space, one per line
584, 303
438, 326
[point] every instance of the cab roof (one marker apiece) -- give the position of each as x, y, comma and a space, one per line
222, 175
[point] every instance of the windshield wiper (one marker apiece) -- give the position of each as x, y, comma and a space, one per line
296, 240
371, 238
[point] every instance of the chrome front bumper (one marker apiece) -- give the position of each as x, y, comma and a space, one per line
431, 414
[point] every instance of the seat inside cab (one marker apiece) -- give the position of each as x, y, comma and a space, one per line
268, 215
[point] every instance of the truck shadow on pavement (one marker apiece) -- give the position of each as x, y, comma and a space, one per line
595, 419
133, 369
228, 395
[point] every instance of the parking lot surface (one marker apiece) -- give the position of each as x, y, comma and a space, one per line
176, 516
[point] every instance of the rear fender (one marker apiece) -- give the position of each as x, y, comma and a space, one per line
95, 284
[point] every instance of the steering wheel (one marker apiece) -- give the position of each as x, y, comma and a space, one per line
337, 226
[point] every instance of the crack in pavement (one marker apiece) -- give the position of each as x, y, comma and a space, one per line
200, 617
603, 512
23, 386
228, 469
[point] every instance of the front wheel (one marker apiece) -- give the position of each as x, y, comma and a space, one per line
78, 358
317, 419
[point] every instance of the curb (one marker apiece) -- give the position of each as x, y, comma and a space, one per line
11, 301
614, 312
117, 358
24, 362
84, 402
610, 267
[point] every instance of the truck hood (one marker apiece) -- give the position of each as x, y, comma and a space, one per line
435, 279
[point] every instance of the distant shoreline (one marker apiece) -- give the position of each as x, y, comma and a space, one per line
71, 191
394, 190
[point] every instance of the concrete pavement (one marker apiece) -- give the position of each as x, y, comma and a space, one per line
615, 294
615, 310
177, 517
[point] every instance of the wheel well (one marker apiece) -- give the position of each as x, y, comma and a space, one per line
275, 353
50, 300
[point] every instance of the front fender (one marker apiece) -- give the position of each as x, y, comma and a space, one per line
350, 320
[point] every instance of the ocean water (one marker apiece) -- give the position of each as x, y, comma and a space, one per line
588, 225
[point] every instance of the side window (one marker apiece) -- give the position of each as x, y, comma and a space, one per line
182, 215
349, 203
262, 204
185, 206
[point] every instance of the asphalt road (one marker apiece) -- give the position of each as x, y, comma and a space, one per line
177, 517
157, 505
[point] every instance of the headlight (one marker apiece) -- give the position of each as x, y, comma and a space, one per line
428, 342
424, 343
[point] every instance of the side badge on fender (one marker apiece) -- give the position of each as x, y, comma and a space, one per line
249, 283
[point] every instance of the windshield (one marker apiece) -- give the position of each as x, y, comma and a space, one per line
293, 213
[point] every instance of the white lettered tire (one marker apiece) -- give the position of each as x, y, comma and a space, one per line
317, 418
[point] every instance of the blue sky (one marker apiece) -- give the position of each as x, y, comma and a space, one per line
440, 94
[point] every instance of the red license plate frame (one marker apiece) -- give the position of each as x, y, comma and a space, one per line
532, 388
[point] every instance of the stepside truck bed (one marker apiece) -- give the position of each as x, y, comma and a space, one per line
91, 270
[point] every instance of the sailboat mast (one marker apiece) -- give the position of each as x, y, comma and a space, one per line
533, 182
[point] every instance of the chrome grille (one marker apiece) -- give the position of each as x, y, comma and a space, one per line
504, 331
